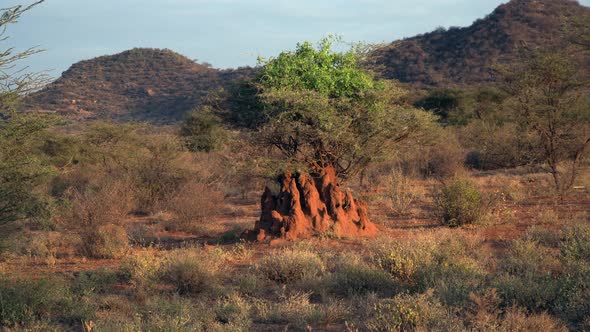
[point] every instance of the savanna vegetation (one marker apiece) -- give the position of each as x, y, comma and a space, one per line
480, 196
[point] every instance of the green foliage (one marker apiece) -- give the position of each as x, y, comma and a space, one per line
447, 104
459, 203
22, 171
321, 70
324, 110
201, 131
576, 243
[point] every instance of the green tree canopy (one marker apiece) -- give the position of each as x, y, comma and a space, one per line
324, 110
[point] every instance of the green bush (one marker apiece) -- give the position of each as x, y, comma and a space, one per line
459, 203
291, 265
576, 243
573, 302
201, 131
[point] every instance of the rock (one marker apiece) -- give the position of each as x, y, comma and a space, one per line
310, 205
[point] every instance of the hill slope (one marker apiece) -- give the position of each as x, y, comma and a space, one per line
140, 84
464, 56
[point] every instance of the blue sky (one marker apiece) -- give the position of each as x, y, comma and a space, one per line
225, 33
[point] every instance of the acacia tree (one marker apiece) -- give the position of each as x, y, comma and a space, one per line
323, 110
330, 118
549, 98
21, 171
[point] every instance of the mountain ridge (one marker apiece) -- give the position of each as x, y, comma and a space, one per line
463, 56
160, 85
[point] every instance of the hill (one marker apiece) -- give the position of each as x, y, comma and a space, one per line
140, 84
463, 56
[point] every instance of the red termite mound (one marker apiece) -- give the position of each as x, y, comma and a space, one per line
306, 206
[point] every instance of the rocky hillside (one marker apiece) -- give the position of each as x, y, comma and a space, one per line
140, 84
463, 56
160, 85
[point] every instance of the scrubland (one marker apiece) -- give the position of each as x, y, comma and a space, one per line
142, 235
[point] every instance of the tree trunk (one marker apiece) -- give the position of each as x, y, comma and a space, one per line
307, 206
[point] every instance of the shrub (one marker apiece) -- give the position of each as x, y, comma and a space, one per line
96, 215
573, 300
201, 131
106, 241
191, 271
141, 269
411, 313
293, 309
445, 158
543, 236
193, 204
156, 176
398, 192
459, 203
233, 313
453, 280
517, 320
526, 276
24, 300
402, 260
291, 265
351, 279
576, 243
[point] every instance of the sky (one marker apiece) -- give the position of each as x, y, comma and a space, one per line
224, 33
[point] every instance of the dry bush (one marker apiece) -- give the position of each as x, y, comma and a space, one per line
517, 320
402, 260
142, 269
157, 176
405, 312
294, 309
353, 277
192, 271
291, 265
442, 159
96, 215
193, 204
399, 193
495, 147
